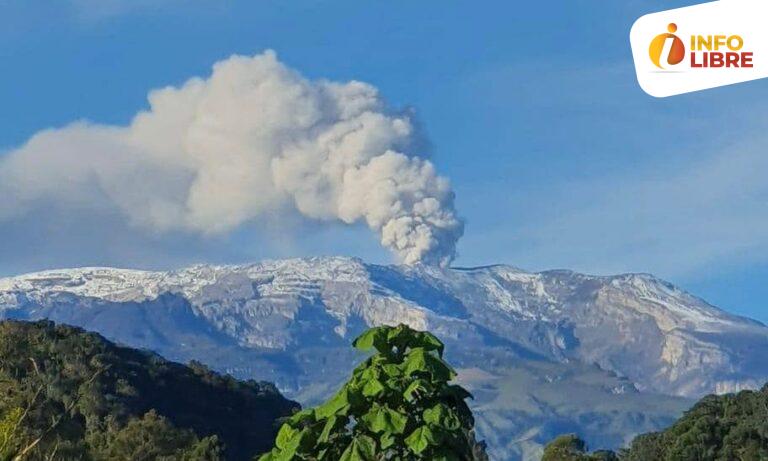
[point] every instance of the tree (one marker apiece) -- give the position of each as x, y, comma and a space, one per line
565, 448
154, 438
398, 405
571, 448
70, 395
718, 427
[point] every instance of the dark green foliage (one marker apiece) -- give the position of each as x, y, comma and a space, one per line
718, 428
571, 448
644, 447
398, 405
731, 427
69, 395
153, 438
565, 448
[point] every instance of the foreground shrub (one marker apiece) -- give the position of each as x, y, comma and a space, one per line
398, 405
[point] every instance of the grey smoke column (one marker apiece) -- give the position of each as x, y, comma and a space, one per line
253, 138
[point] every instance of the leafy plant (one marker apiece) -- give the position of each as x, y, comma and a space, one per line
398, 405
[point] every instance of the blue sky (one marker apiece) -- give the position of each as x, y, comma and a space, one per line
556, 156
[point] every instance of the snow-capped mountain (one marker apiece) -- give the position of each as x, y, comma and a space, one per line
544, 352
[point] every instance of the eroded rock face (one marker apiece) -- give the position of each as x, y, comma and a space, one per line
291, 322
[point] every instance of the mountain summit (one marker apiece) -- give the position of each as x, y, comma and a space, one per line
544, 352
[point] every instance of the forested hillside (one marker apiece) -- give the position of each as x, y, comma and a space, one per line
68, 394
718, 428
725, 427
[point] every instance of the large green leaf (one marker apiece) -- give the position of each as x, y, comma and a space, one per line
418, 388
295, 442
372, 388
384, 419
441, 415
404, 337
284, 435
374, 338
271, 456
302, 417
365, 365
428, 341
392, 370
421, 439
420, 361
331, 424
400, 336
338, 404
386, 440
362, 448
372, 372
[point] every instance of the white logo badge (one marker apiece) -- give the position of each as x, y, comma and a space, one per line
701, 46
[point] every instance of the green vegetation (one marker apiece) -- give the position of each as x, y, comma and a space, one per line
727, 427
731, 427
398, 405
571, 448
70, 395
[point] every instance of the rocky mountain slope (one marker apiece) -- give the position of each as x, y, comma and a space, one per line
545, 352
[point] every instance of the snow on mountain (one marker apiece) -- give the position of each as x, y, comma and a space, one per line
519, 338
635, 325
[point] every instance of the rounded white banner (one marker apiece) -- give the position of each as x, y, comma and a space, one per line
702, 46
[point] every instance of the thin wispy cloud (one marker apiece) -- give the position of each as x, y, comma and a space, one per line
97, 10
675, 187
676, 223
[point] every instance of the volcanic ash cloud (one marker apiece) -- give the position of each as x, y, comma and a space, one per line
254, 138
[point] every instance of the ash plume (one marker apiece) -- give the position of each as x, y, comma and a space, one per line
253, 138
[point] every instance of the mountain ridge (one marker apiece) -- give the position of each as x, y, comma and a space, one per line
682, 319
520, 339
